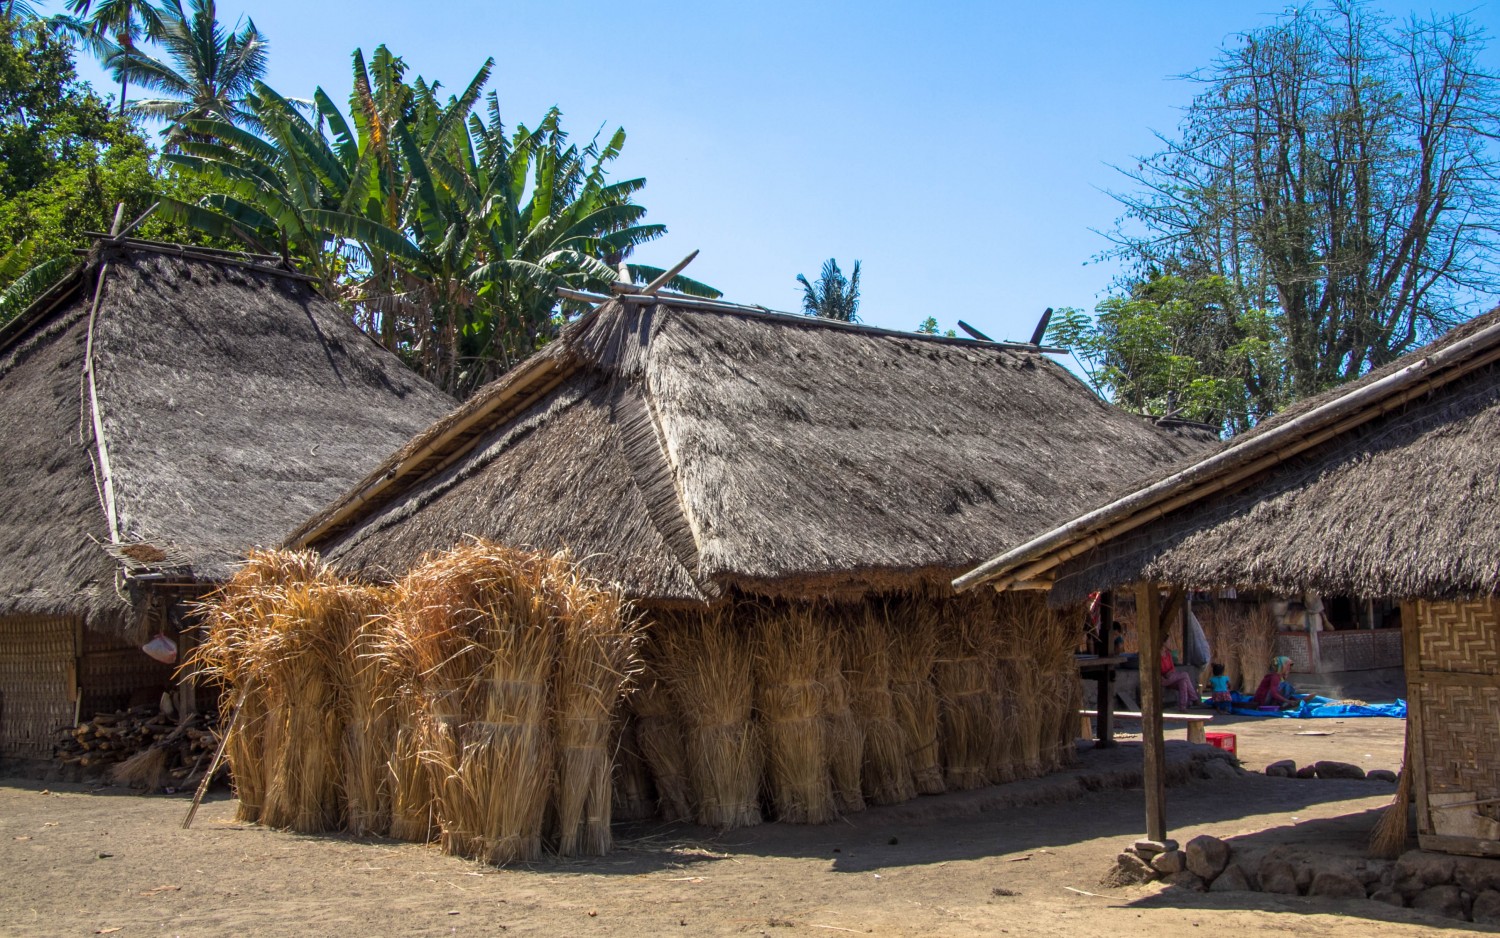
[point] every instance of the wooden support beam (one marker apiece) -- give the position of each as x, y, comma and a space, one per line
1148, 618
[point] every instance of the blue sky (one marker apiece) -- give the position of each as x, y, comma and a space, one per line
961, 150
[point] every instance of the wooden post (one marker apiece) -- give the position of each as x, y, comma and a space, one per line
1149, 634
1105, 649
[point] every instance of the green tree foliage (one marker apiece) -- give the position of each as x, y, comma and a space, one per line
446, 232
107, 28
66, 161
833, 296
1183, 341
1337, 173
207, 71
929, 326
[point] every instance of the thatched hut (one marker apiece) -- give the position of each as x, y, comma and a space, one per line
165, 410
1388, 488
749, 478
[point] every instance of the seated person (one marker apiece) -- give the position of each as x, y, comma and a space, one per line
1275, 690
1174, 678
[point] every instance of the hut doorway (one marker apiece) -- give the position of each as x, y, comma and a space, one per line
38, 682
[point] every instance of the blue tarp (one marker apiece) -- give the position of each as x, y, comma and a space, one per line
1322, 708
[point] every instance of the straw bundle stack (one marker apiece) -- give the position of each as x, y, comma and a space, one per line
1055, 637
845, 734
1242, 637
597, 659
367, 687
790, 649
412, 810
886, 771
963, 676
658, 732
1008, 686
274, 633
915, 651
482, 638
707, 664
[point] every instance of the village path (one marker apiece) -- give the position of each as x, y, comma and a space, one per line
76, 863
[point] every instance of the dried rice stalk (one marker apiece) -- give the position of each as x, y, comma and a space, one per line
964, 685
412, 806
659, 733
146, 769
596, 660
367, 687
790, 650
708, 666
887, 773
844, 733
915, 656
480, 625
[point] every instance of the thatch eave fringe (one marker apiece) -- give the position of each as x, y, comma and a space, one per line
1235, 464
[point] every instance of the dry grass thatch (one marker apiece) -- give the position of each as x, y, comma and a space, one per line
659, 733
634, 796
752, 408
707, 664
844, 736
964, 677
1242, 637
886, 770
441, 714
914, 656
791, 661
207, 374
1359, 530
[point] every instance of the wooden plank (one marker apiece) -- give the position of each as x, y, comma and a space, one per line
1106, 695
1468, 846
1452, 678
1416, 756
1149, 632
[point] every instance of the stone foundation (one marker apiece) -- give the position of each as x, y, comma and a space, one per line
1462, 888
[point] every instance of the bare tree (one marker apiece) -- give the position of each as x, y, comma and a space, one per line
1338, 169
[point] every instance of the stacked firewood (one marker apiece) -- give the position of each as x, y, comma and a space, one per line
141, 747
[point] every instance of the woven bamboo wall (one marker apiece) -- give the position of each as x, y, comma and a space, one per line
1455, 688
38, 682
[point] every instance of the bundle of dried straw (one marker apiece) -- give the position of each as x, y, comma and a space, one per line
790, 649
915, 650
707, 664
886, 770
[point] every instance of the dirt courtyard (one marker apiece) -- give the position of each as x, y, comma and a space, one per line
82, 862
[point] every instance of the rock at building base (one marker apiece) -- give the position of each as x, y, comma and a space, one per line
1487, 908
1388, 896
1172, 861
1307, 771
1443, 900
1338, 770
1334, 885
1186, 880
1206, 856
1150, 848
1284, 768
1278, 876
1381, 775
1233, 879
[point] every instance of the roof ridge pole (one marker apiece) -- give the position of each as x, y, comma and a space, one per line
667, 275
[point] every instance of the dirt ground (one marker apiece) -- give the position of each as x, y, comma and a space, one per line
82, 862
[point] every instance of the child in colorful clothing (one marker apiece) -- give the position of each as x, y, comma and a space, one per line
1219, 686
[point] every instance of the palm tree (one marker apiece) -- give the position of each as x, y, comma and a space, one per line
109, 29
447, 233
212, 70
833, 296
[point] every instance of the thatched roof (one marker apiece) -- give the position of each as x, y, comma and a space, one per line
1386, 487
232, 400
684, 449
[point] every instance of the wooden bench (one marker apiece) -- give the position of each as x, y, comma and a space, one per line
1194, 721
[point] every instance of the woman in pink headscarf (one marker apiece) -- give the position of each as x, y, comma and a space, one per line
1174, 678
